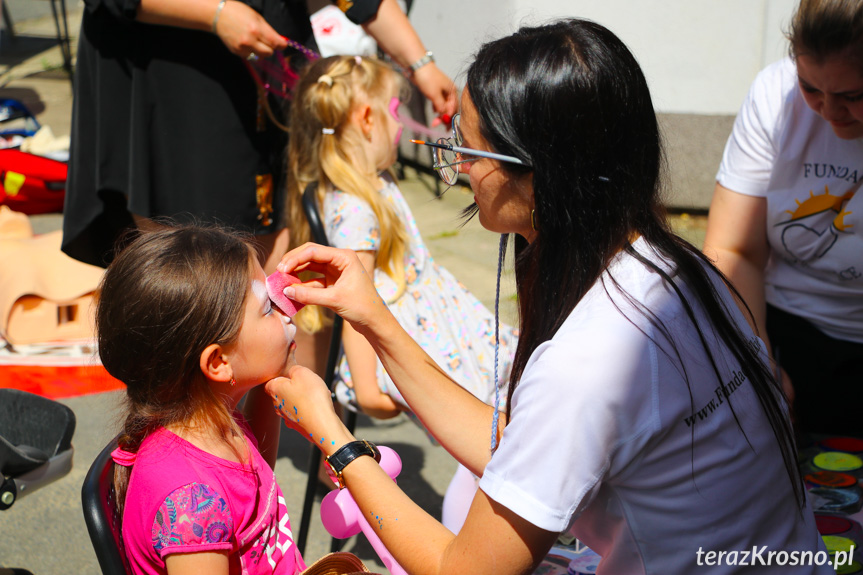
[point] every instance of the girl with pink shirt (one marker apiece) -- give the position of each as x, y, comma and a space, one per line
185, 322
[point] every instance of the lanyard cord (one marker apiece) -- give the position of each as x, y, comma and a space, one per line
494, 419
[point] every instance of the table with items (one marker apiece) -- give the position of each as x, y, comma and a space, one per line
832, 469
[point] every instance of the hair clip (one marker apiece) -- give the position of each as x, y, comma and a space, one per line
328, 131
326, 79
358, 60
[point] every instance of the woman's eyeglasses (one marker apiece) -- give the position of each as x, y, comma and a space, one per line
449, 154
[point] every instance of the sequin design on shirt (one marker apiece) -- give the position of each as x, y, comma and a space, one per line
194, 514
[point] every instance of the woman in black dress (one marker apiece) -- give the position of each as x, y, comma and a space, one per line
166, 119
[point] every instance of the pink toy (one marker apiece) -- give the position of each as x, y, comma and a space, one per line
276, 284
342, 517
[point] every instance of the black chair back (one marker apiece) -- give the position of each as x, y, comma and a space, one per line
101, 515
319, 235
313, 215
35, 443
41, 424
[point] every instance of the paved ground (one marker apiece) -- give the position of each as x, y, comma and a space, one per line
45, 532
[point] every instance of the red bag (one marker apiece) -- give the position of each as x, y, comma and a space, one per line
31, 184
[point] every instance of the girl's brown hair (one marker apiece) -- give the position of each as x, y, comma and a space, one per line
824, 28
162, 301
324, 98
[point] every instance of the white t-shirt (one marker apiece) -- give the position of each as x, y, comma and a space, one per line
781, 150
607, 441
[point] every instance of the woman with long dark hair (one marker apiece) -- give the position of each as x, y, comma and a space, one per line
642, 415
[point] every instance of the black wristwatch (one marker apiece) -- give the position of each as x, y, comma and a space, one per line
337, 462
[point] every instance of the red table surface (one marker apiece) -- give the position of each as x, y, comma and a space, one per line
57, 382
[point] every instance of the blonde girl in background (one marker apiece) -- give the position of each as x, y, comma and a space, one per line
345, 130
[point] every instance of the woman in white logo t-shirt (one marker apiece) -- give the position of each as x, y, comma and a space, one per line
786, 221
642, 414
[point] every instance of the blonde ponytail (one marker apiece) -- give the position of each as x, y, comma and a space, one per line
323, 148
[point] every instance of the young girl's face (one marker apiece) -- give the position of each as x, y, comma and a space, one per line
265, 346
388, 131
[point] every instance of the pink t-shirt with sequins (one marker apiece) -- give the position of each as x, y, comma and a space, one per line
184, 500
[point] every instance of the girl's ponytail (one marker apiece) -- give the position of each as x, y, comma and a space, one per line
135, 429
323, 149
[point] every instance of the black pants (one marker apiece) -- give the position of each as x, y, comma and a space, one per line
827, 375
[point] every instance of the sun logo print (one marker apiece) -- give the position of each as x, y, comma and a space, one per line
815, 224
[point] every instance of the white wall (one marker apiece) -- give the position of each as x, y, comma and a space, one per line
699, 56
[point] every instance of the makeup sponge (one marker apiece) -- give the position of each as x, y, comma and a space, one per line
276, 284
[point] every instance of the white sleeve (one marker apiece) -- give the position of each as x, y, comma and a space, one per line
579, 416
751, 150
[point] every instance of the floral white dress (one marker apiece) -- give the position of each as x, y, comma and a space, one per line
438, 312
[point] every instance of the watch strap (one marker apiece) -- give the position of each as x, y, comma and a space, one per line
347, 453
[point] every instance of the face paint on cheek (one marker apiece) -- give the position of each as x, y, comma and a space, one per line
290, 331
394, 108
394, 112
